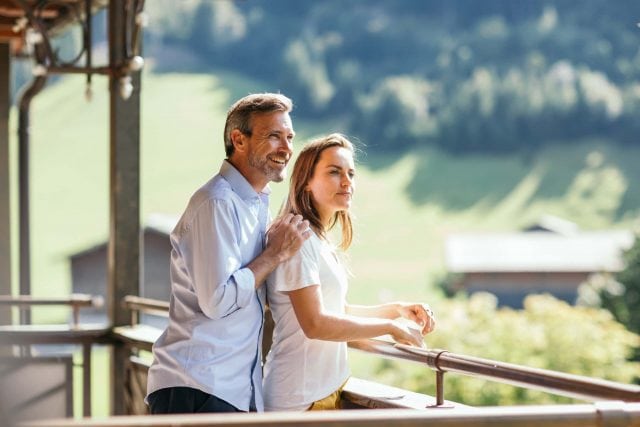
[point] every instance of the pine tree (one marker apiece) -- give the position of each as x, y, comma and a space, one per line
619, 293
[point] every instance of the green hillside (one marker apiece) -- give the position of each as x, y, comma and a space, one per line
405, 205
461, 75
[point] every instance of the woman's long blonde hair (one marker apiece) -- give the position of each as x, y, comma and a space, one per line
299, 200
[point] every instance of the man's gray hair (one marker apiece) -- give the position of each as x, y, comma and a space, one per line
241, 112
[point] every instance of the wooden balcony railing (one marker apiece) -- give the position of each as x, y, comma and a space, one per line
601, 414
442, 361
553, 382
75, 301
23, 336
615, 403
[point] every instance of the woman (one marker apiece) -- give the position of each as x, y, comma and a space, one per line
307, 365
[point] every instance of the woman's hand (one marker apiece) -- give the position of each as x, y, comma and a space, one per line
405, 334
421, 314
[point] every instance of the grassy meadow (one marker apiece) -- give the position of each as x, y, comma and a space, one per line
405, 205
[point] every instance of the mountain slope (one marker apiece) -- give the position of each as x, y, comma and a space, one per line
405, 205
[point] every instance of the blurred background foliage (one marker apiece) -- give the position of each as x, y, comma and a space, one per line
618, 293
491, 76
547, 333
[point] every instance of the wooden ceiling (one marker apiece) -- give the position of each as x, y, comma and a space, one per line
54, 15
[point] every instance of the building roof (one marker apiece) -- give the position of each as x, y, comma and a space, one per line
156, 223
554, 224
537, 251
162, 223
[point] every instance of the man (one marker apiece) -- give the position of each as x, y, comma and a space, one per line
208, 359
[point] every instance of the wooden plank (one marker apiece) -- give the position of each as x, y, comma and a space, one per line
521, 416
80, 300
53, 334
369, 394
139, 336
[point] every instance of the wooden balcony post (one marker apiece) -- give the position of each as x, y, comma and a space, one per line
124, 247
5, 193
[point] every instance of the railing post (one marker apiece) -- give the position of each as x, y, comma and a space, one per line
440, 391
135, 317
76, 316
432, 362
86, 379
439, 388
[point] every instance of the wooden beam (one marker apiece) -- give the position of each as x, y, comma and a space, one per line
7, 34
124, 193
5, 193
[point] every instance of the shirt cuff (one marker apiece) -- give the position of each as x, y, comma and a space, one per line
245, 286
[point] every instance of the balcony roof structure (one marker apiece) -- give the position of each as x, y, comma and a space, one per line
26, 30
54, 16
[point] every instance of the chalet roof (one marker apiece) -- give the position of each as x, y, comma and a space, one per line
537, 251
554, 224
156, 223
162, 223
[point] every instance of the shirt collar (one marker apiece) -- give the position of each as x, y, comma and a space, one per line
239, 183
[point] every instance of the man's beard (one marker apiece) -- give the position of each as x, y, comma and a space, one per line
263, 164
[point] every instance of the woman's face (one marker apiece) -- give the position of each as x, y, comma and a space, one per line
332, 183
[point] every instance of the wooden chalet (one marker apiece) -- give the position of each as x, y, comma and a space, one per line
539, 259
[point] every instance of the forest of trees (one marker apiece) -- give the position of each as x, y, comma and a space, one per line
492, 76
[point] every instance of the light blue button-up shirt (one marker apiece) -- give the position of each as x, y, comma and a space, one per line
213, 339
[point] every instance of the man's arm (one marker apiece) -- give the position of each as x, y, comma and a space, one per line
213, 259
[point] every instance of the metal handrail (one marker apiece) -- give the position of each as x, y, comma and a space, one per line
76, 301
442, 361
558, 383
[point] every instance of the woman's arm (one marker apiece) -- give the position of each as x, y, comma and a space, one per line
316, 323
421, 314
385, 311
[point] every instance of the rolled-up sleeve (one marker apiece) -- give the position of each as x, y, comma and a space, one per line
214, 260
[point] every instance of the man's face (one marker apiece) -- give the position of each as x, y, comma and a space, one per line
270, 145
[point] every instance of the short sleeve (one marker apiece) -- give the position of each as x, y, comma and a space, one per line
299, 271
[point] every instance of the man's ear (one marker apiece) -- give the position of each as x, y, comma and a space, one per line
238, 140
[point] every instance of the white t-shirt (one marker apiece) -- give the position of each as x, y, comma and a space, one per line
299, 370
